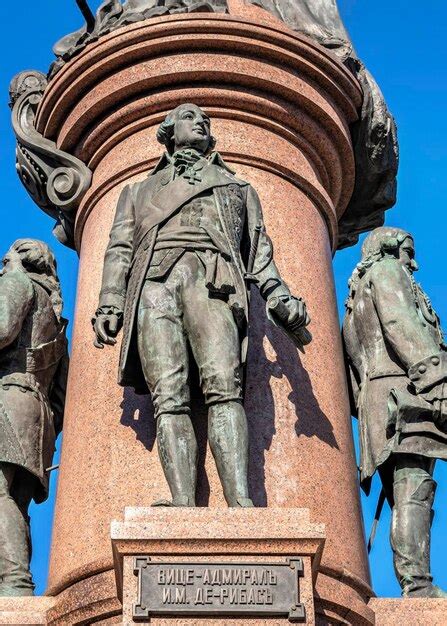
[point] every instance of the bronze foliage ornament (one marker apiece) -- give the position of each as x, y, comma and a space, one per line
114, 14
55, 180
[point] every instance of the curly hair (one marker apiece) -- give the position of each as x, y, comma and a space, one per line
165, 132
382, 241
39, 262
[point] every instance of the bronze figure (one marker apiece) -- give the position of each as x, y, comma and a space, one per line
184, 246
33, 371
397, 362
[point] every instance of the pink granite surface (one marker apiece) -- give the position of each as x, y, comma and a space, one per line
86, 600
20, 611
409, 611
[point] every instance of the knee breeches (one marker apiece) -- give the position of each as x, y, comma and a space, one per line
176, 313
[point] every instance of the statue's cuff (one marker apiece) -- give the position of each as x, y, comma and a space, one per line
107, 310
277, 288
112, 298
428, 372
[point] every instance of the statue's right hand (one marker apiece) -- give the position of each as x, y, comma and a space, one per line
106, 327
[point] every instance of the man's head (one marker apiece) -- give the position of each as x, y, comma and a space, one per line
187, 126
30, 255
35, 258
389, 241
383, 242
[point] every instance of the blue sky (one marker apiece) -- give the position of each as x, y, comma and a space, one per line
402, 44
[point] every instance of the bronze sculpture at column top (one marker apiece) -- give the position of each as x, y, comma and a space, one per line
33, 372
57, 181
397, 368
185, 245
374, 135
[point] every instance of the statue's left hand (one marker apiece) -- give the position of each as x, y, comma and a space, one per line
291, 314
298, 315
290, 311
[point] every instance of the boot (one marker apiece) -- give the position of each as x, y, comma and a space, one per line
228, 438
15, 576
179, 501
177, 448
245, 503
426, 590
414, 491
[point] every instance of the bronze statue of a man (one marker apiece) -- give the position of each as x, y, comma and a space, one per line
33, 370
397, 363
183, 247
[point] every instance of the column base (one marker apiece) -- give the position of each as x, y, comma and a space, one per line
30, 610
92, 599
406, 611
49, 610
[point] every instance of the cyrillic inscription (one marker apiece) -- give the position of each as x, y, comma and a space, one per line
267, 589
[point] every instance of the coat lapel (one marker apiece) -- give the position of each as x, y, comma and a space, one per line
179, 191
167, 198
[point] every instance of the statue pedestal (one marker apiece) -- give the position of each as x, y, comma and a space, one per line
230, 542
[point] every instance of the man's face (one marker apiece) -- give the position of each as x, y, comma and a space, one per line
191, 128
11, 261
406, 255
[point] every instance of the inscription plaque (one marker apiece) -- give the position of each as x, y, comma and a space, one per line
225, 589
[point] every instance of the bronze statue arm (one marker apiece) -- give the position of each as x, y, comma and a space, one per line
118, 254
117, 261
58, 392
394, 300
352, 375
16, 297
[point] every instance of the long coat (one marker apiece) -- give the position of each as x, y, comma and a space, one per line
33, 375
142, 208
391, 335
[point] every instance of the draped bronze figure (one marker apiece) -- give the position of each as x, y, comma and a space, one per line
397, 362
184, 245
33, 371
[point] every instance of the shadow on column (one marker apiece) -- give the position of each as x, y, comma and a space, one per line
311, 420
138, 414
